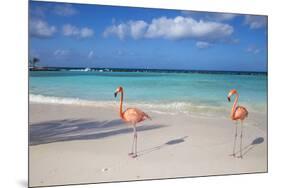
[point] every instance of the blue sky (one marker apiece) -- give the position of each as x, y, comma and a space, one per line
77, 35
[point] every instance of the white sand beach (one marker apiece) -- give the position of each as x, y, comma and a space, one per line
72, 144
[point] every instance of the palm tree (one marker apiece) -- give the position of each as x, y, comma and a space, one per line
33, 62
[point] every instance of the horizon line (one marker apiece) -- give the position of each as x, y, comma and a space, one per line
159, 69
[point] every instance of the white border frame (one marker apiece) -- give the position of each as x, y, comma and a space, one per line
14, 93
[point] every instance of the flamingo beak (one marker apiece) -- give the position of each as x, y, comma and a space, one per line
228, 98
115, 94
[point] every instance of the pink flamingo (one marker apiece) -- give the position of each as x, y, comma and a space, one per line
237, 113
132, 116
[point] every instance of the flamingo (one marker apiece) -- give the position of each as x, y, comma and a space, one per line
131, 116
237, 113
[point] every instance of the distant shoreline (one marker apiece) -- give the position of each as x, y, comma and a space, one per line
144, 70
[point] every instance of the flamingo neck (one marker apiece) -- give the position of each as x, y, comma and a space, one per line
121, 104
234, 106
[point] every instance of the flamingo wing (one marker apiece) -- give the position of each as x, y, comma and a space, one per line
134, 115
240, 113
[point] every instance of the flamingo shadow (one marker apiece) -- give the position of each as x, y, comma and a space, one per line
251, 146
78, 129
168, 143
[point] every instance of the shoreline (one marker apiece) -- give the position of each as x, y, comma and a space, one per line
202, 110
134, 70
85, 144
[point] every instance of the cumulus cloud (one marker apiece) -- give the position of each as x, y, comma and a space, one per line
86, 32
202, 44
138, 29
119, 30
253, 49
41, 29
70, 30
181, 27
134, 29
65, 10
73, 31
171, 28
255, 22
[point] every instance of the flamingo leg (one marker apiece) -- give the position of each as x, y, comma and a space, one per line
235, 138
135, 142
132, 150
136, 136
241, 138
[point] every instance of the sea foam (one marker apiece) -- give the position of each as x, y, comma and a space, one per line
63, 100
171, 108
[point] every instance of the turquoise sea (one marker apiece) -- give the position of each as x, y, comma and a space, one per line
162, 92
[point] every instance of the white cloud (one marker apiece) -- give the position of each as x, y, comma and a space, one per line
201, 44
41, 29
221, 16
60, 52
86, 32
181, 27
137, 28
91, 54
255, 22
134, 29
119, 30
70, 30
65, 10
253, 49
170, 28
212, 16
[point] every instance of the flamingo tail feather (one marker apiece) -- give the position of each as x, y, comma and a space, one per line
147, 116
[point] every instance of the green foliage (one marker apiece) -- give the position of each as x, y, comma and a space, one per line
34, 61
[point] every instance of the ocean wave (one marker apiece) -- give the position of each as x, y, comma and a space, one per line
62, 100
171, 108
